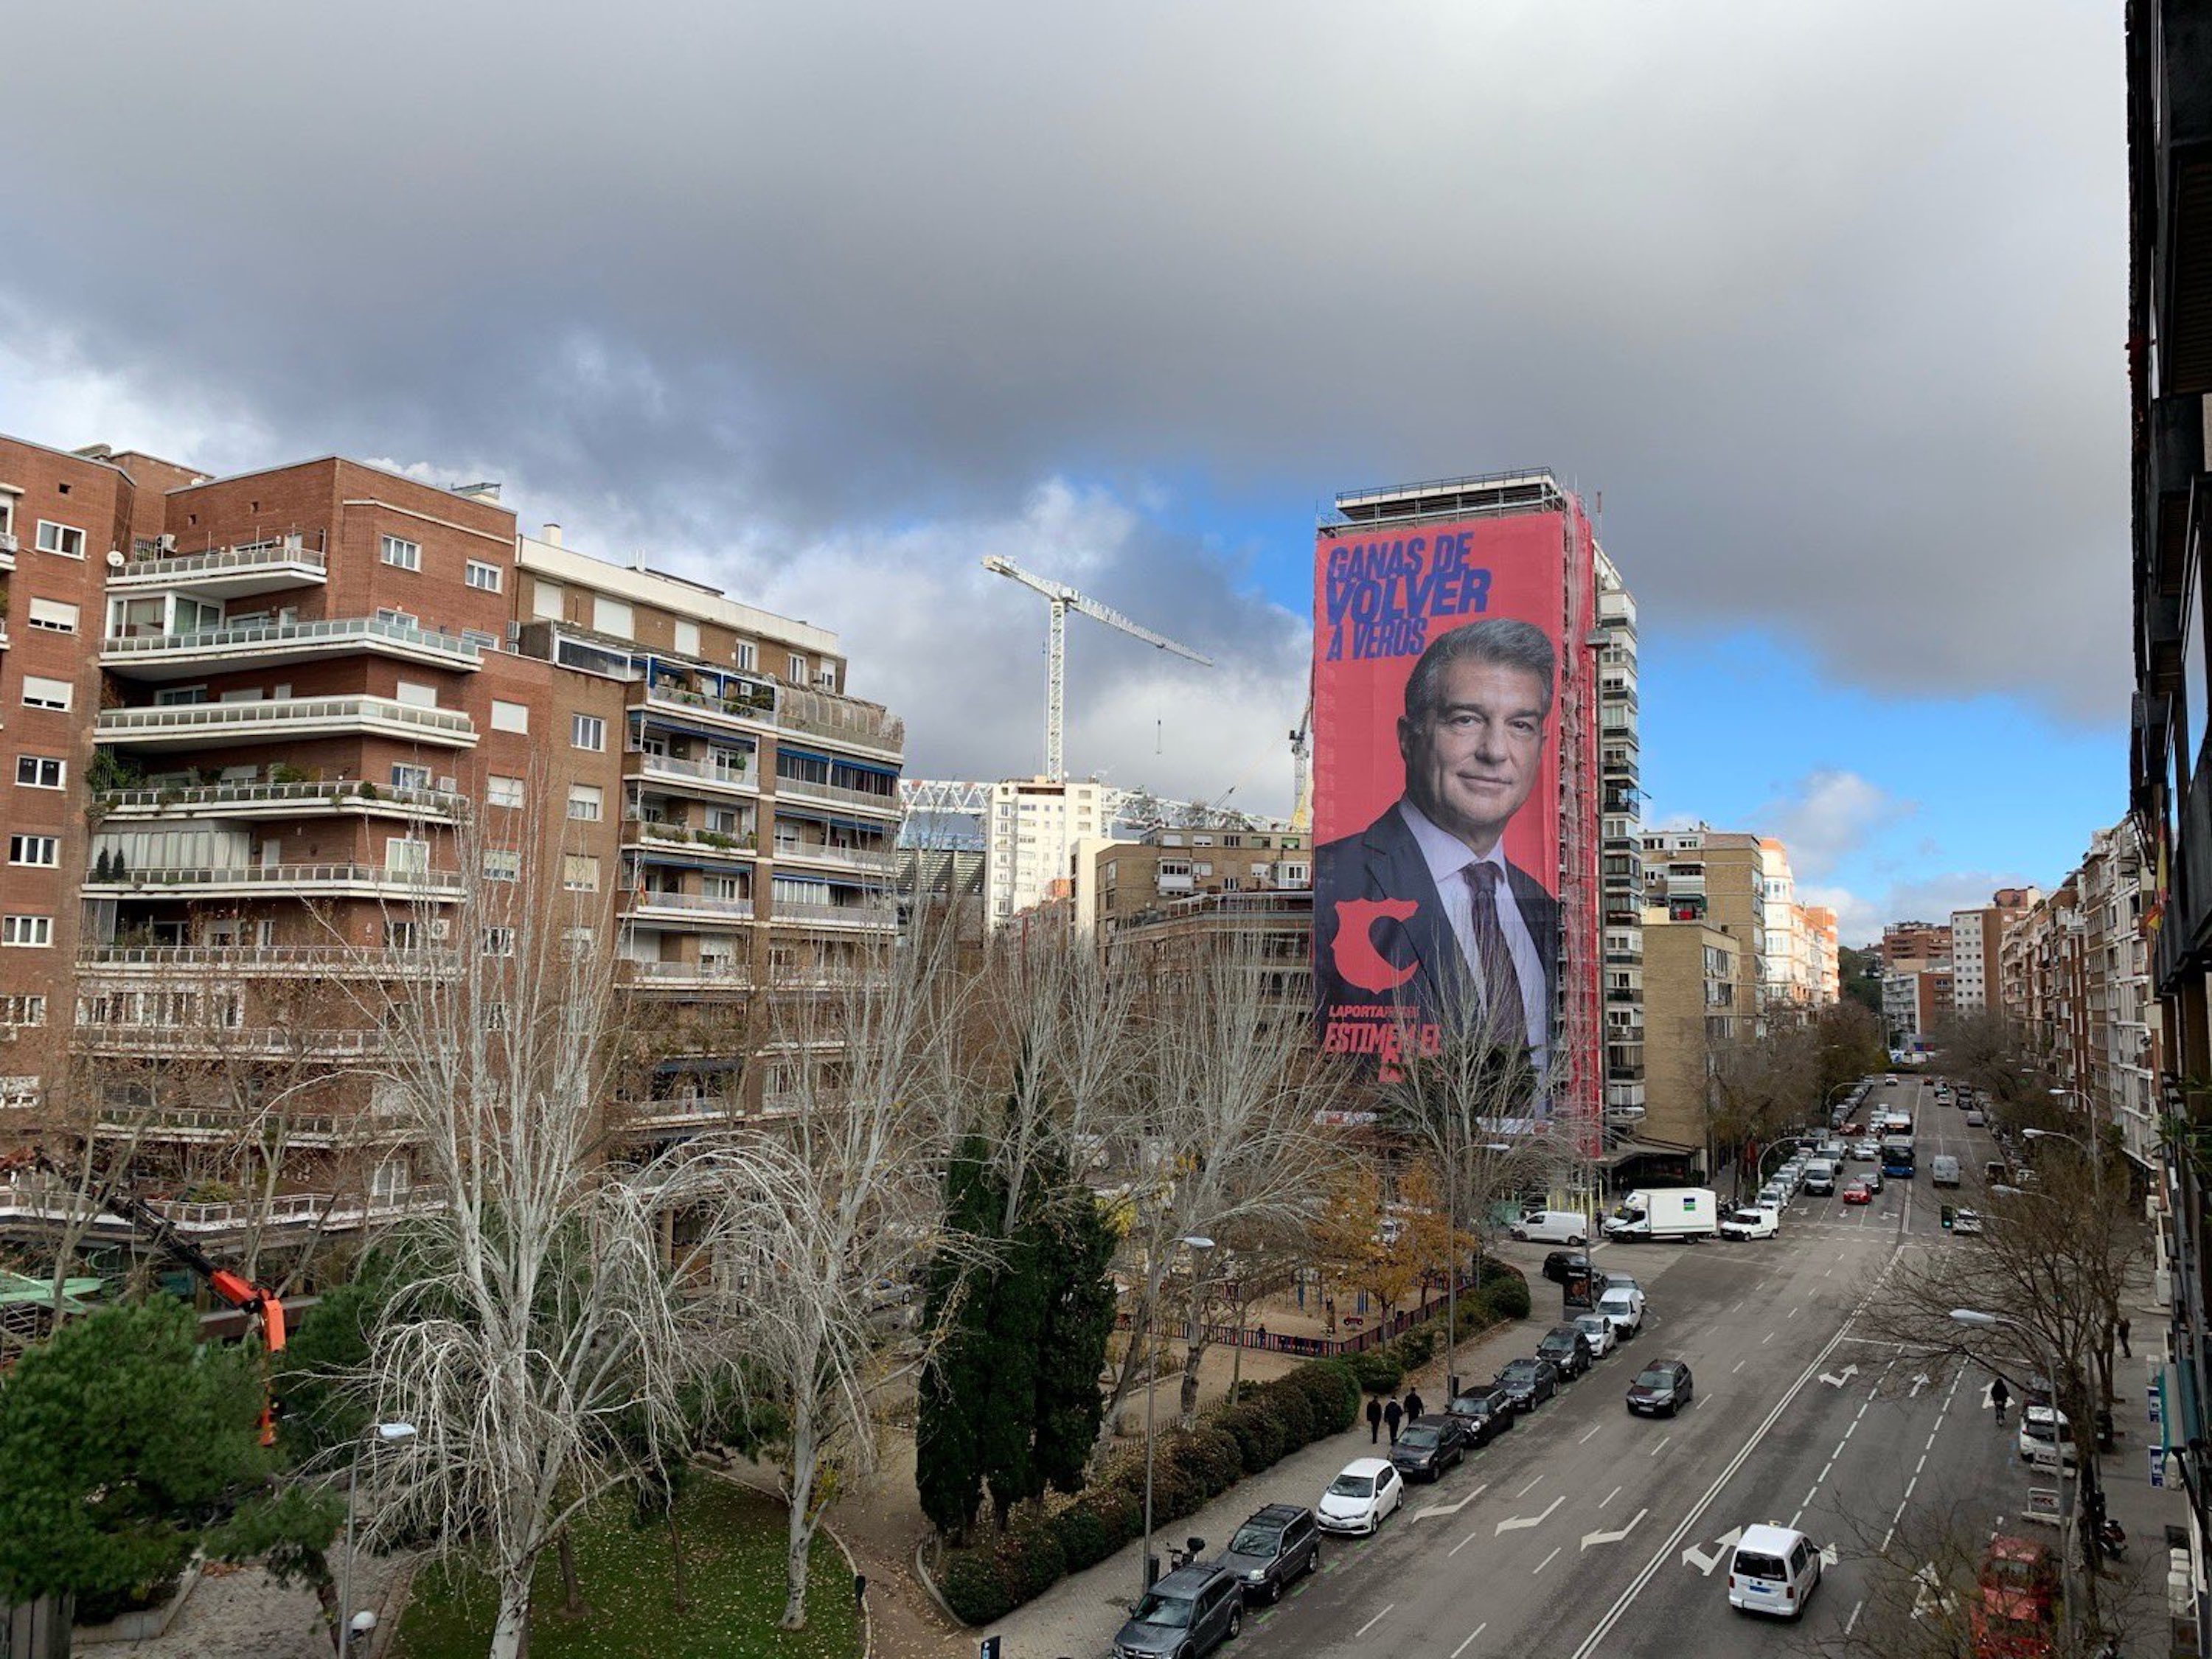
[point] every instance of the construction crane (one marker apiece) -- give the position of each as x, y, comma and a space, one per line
1301, 755
1064, 599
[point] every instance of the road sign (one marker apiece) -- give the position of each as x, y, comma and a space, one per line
2042, 1505
2158, 1466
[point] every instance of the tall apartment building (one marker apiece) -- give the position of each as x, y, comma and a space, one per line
1903, 942
1699, 993
1031, 828
1129, 883
2120, 1069
1621, 870
1716, 877
1978, 947
1799, 963
254, 726
1916, 998
1816, 926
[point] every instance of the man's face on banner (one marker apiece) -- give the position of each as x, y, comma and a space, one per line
1472, 759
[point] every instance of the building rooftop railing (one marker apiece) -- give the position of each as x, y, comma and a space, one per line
285, 875
432, 802
221, 561
334, 630
220, 719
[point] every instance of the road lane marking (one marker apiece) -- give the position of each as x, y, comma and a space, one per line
1451, 1508
1768, 1338
1811, 1492
1794, 1519
1931, 1446
1530, 1487
1849, 1624
1546, 1562
1824, 1468
1792, 1313
1699, 1401
1609, 1497
1736, 1368
1661, 1447
1739, 1306
1462, 1545
1371, 1623
1589, 1538
1585, 1440
1470, 1642
1521, 1521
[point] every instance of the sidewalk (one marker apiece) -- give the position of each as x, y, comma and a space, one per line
1078, 1617
2145, 1511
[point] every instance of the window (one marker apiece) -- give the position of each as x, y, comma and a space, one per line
502, 864
584, 802
548, 600
580, 941
406, 855
798, 669
503, 792
588, 732
44, 851
179, 696
748, 655
686, 637
22, 1011
402, 554
63, 538
580, 873
482, 576
499, 941
40, 771
410, 777
509, 717
416, 694
612, 617
33, 932
53, 616
41, 693
403, 935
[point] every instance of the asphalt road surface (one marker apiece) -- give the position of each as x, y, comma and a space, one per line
1587, 1532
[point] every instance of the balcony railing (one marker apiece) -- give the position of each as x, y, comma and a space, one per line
710, 843
758, 711
337, 633
292, 1209
8, 545
725, 975
845, 858
430, 803
154, 1036
643, 898
213, 1123
307, 878
244, 722
807, 789
862, 725
684, 771
319, 959
851, 916
260, 557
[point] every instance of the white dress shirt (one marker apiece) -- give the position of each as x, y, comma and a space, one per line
1449, 859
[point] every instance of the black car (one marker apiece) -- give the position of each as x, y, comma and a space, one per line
1428, 1445
1565, 1346
1662, 1388
1274, 1546
1188, 1614
1483, 1413
1559, 1264
1530, 1382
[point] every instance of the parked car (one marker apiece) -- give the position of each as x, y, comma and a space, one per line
1362, 1497
1662, 1388
1775, 1570
1967, 1221
1530, 1382
1568, 1349
2044, 1429
1614, 1280
1598, 1330
1191, 1612
1559, 1263
1428, 1445
1625, 1308
1274, 1546
1752, 1221
1975, 1117
1483, 1413
2014, 1609
1774, 1194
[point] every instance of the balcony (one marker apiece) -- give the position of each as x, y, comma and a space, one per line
710, 975
866, 801
842, 915
695, 775
864, 860
195, 961
752, 716
848, 724
643, 903
646, 834
222, 1126
210, 724
164, 1039
227, 572
8, 545
375, 881
281, 800
278, 645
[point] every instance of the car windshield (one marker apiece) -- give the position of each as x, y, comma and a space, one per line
1472, 1405
1591, 1325
1656, 1378
1173, 1611
1420, 1436
1254, 1541
1744, 1217
1352, 1485
1617, 1302
1519, 1369
2011, 1574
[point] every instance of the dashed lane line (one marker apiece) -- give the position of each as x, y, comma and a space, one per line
1609, 1497
1462, 1545
1768, 1338
1530, 1487
1470, 1642
1736, 1368
1661, 1447
1585, 1440
1371, 1623
1546, 1561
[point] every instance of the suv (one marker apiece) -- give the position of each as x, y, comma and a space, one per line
1565, 1346
1427, 1444
1561, 1265
1274, 1546
1485, 1412
1191, 1612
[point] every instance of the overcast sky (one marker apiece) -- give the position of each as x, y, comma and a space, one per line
825, 303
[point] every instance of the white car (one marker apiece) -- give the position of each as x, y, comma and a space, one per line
1362, 1497
1624, 1307
1966, 1221
1753, 1221
1774, 1193
1599, 1329
1774, 1571
2040, 1427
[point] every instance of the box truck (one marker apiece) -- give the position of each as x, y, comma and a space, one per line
1666, 1212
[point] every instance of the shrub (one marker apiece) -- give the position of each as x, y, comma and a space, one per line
1508, 1298
1415, 1347
1332, 1387
1290, 1406
1377, 1370
1215, 1457
1120, 1516
1084, 1539
1031, 1561
970, 1582
1260, 1440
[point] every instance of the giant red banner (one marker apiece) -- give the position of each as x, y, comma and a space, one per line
1440, 688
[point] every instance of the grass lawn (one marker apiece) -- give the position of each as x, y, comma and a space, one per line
733, 1568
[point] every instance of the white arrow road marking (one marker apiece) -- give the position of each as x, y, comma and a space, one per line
1830, 1555
1589, 1538
1918, 1383
1928, 1594
1451, 1508
1986, 1389
1849, 1371
1705, 1564
1530, 1520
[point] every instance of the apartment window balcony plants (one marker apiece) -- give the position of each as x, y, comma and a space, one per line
292, 797
275, 644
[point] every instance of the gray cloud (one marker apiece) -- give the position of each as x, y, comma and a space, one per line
783, 292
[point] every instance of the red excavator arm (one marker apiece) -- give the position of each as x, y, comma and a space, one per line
264, 1312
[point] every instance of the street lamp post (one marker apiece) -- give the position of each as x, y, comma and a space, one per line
382, 1434
1197, 1242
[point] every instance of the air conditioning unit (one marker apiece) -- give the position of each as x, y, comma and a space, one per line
448, 787
168, 543
7, 541
442, 927
295, 542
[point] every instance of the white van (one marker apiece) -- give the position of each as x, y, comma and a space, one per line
1942, 1171
1552, 1227
1753, 1221
1774, 1571
1821, 1177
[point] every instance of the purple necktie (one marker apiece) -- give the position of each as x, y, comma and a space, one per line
1509, 1017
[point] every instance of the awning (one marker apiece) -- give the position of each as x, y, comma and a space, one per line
1629, 1149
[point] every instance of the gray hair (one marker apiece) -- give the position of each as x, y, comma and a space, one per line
1499, 640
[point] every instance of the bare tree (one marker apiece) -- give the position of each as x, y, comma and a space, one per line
1761, 1085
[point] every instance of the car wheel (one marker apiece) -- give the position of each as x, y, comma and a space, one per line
1520, 1235
1578, 1241
1236, 1623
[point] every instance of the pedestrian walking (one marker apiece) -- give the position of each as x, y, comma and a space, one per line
1999, 1394
1393, 1414
1375, 1422
2125, 1354
1413, 1406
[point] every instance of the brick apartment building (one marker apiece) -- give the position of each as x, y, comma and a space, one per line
251, 727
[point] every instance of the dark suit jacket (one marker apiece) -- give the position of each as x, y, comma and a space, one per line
1385, 861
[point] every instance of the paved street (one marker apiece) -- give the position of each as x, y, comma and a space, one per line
1588, 1532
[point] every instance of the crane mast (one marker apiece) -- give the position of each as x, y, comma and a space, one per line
1062, 598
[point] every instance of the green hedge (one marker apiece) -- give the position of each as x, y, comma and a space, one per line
1190, 1469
